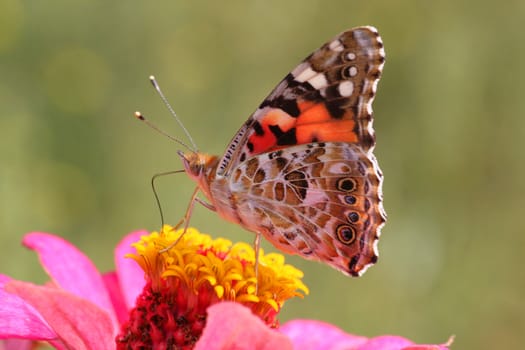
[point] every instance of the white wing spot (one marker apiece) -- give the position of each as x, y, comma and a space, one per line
314, 197
336, 46
339, 168
351, 56
346, 88
319, 81
353, 71
305, 75
369, 110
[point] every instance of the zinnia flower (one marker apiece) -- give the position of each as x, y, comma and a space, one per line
198, 294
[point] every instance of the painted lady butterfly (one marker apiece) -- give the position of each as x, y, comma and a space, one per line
301, 171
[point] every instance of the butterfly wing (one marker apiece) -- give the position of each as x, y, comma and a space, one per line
301, 170
327, 97
321, 201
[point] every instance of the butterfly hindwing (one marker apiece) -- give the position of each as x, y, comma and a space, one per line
320, 200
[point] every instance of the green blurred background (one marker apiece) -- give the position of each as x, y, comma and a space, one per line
450, 124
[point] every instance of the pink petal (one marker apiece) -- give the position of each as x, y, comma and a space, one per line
18, 319
130, 275
113, 287
70, 269
392, 342
387, 342
78, 323
232, 326
314, 335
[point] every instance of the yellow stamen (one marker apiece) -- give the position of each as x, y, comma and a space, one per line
227, 270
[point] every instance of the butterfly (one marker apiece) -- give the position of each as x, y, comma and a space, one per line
301, 170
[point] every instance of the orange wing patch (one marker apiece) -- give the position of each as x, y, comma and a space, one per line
277, 129
315, 123
267, 138
331, 131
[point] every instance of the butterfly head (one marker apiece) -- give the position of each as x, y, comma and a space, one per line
198, 166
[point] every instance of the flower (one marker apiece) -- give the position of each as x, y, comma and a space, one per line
83, 309
188, 272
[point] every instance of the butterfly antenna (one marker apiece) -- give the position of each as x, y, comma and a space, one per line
165, 100
142, 118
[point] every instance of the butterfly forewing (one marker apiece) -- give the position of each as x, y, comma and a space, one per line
327, 97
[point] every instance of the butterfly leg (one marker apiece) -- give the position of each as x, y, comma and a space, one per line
205, 204
257, 245
157, 200
185, 220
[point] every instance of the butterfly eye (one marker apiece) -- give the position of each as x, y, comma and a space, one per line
346, 184
345, 234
